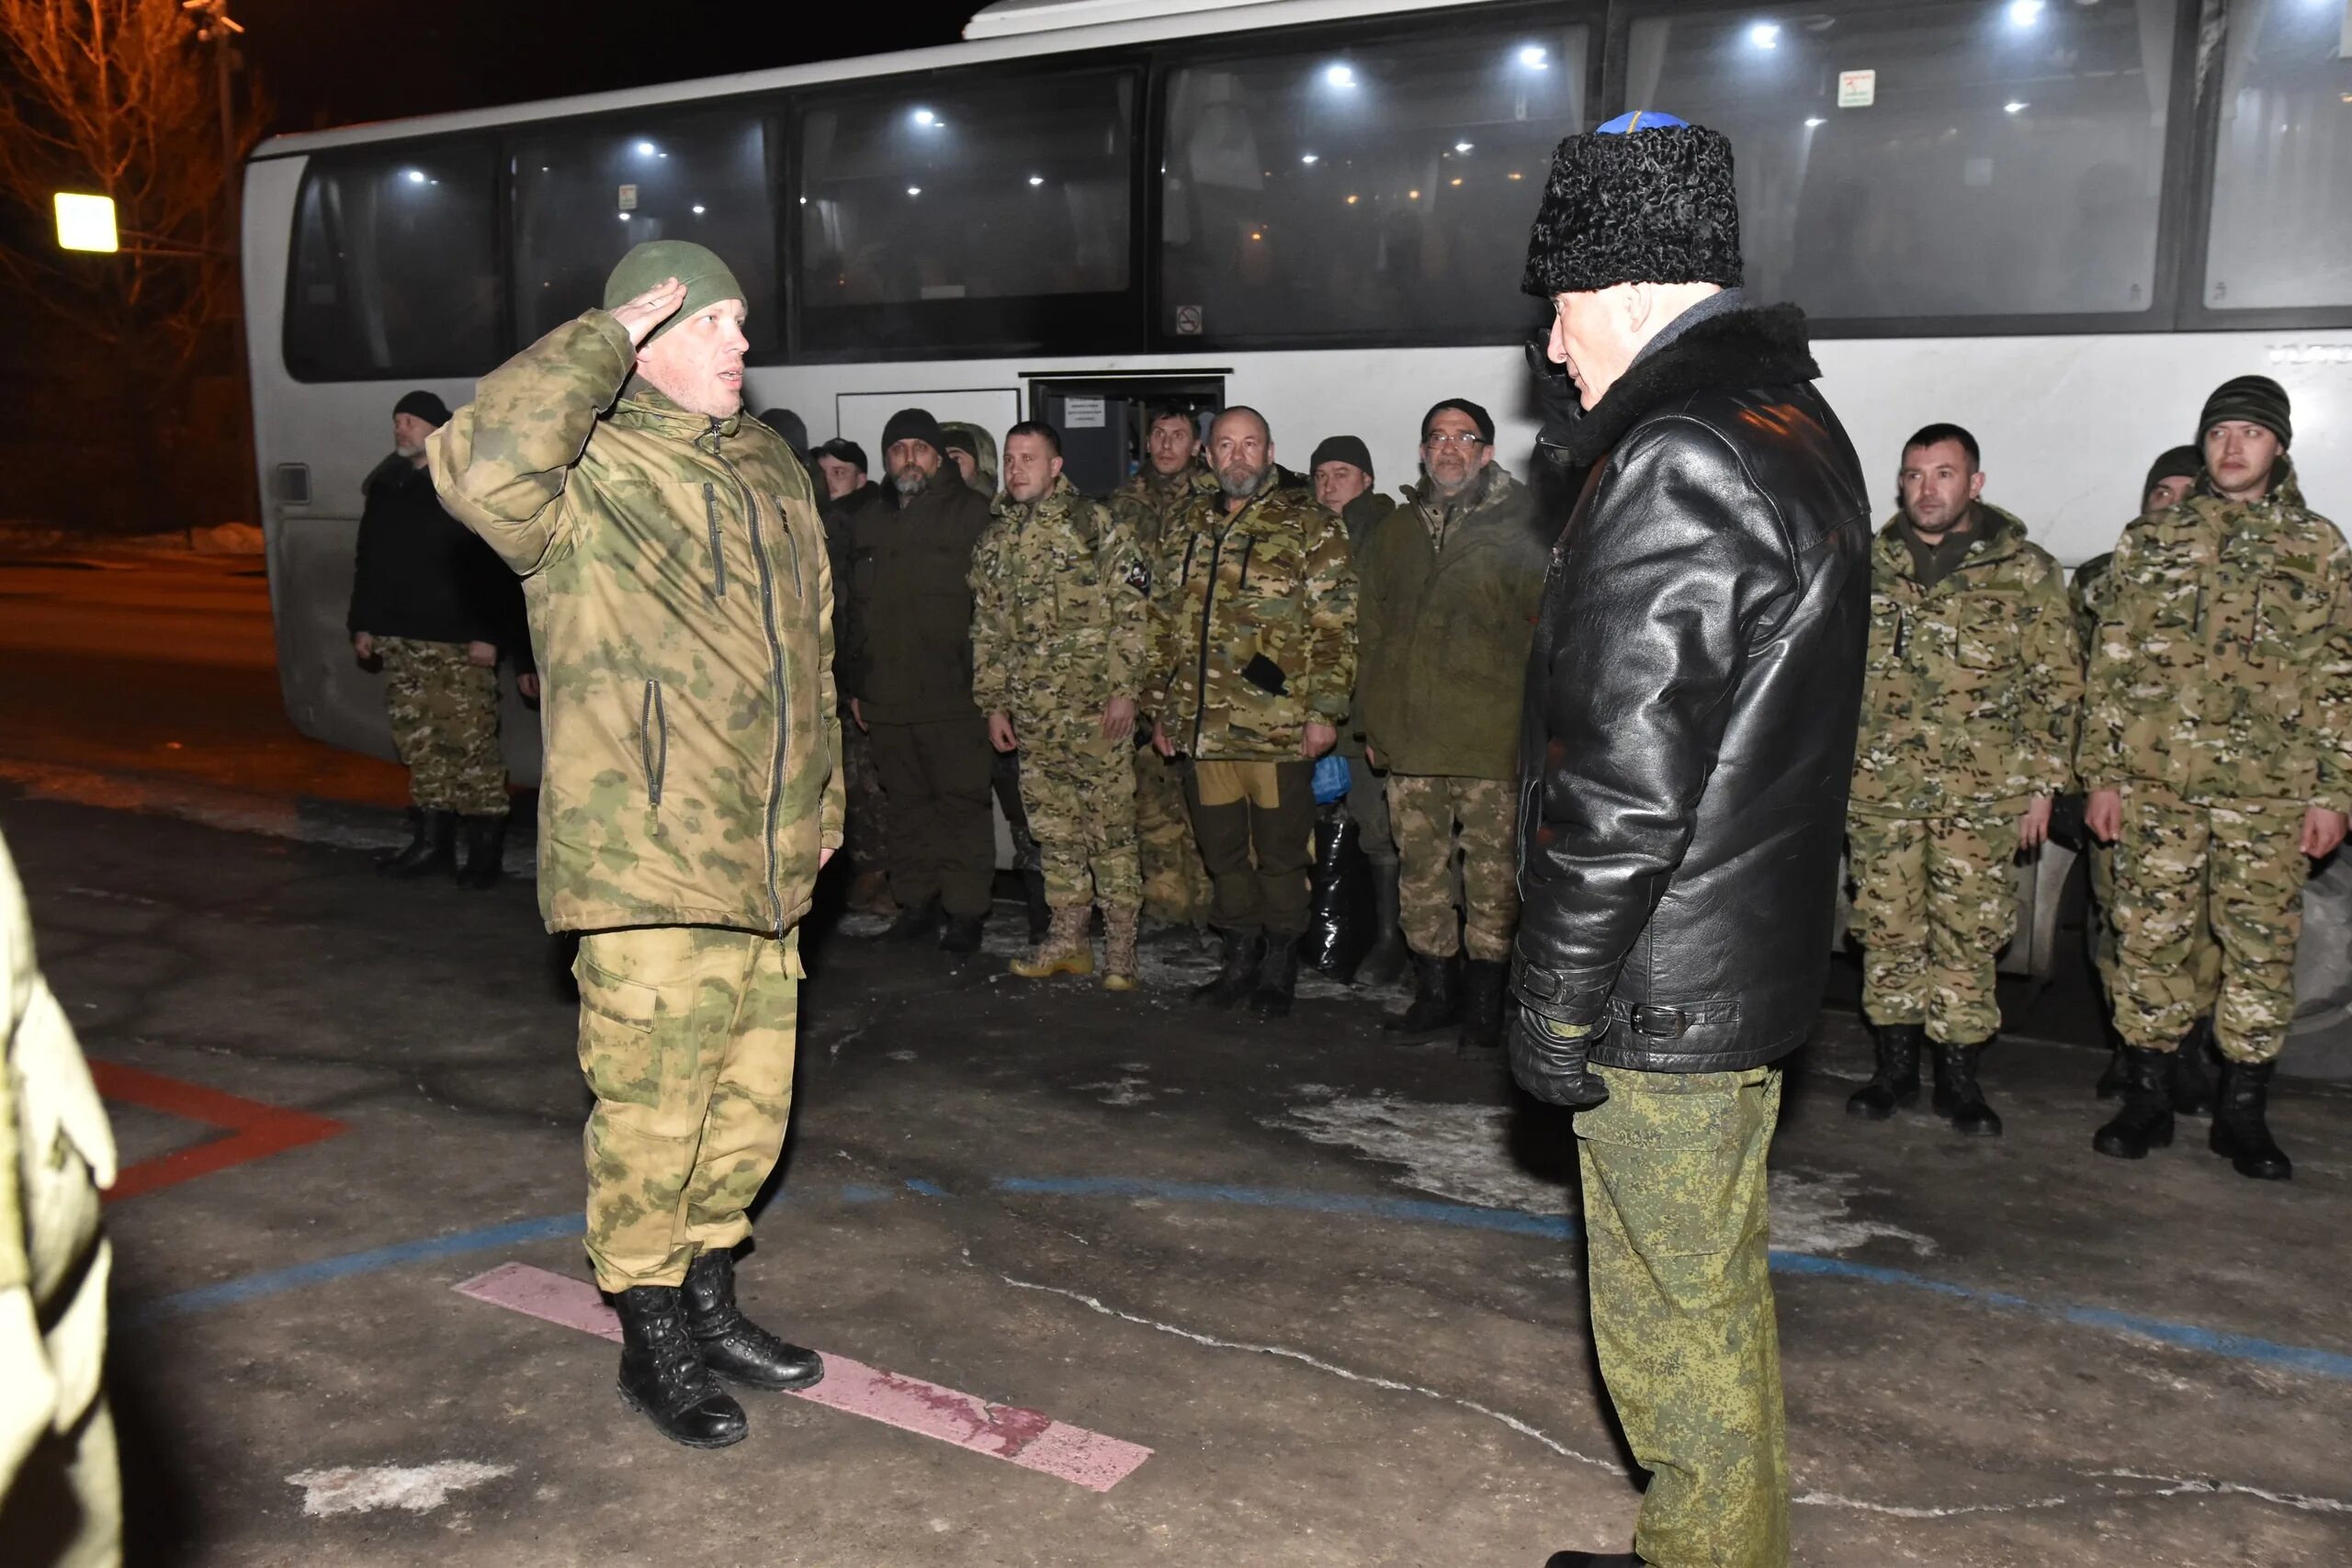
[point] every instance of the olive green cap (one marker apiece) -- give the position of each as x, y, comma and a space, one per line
708, 279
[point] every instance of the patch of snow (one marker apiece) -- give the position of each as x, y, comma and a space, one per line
419, 1489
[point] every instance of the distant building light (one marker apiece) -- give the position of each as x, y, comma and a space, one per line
1765, 35
2014, 107
1412, 196
1037, 179
1306, 157
87, 223
2025, 13
1514, 175
1340, 75
1461, 146
1534, 58
1454, 181
1352, 201
1257, 233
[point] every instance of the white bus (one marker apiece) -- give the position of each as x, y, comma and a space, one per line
2059, 222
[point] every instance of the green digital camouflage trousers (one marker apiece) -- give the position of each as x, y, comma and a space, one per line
687, 1036
1078, 789
1934, 901
1424, 813
1676, 1261
2235, 868
1175, 882
865, 828
445, 724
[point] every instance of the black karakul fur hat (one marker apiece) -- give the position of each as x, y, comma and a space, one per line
1652, 205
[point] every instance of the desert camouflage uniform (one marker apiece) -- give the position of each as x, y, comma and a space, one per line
1175, 884
1969, 712
444, 723
679, 591
1060, 614
2221, 707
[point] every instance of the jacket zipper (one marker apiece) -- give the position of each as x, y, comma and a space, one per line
792, 542
653, 741
717, 555
775, 672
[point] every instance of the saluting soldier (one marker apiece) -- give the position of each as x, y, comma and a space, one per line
1060, 620
1969, 710
2218, 753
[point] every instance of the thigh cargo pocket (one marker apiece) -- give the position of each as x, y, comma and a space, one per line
620, 1051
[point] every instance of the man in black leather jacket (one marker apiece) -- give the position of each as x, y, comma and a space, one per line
1688, 730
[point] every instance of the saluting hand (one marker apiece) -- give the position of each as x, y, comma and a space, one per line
650, 309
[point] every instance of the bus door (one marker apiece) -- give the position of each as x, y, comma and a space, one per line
1104, 419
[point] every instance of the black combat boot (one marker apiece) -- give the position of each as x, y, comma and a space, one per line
2111, 1082
1437, 998
1895, 1084
1482, 1007
1041, 914
663, 1375
2241, 1123
433, 850
913, 925
1387, 960
1277, 979
1957, 1099
2146, 1120
1237, 974
2192, 1071
732, 1345
961, 935
485, 848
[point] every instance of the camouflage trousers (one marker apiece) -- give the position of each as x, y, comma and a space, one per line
445, 725
866, 823
686, 1037
2235, 867
1676, 1241
1424, 814
2204, 953
1934, 901
1078, 789
1175, 882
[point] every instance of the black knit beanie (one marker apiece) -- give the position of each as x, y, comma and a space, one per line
1478, 416
2257, 399
2181, 463
1342, 449
842, 451
424, 406
1646, 199
913, 424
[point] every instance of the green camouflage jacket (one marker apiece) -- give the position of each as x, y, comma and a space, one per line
1144, 506
1447, 615
1061, 610
1974, 685
2223, 669
1253, 625
675, 571
2086, 594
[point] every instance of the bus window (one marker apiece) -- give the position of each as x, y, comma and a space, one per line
1379, 190
2282, 170
394, 272
968, 214
2001, 158
584, 194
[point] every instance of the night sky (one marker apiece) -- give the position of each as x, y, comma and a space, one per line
329, 63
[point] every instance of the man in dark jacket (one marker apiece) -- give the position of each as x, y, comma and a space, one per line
841, 465
434, 606
1685, 746
908, 671
1342, 470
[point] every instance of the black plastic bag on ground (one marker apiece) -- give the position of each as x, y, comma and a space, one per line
1339, 928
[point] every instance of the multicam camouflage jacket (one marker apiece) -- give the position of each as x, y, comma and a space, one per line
680, 596
2223, 669
1145, 506
2088, 595
1061, 611
1973, 684
1253, 625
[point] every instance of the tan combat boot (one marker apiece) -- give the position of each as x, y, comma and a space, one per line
1119, 950
1068, 947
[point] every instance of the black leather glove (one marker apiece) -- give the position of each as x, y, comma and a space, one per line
1550, 1063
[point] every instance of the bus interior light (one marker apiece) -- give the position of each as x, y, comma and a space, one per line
1307, 157
646, 149
914, 190
1461, 146
1814, 120
1534, 58
1765, 35
1037, 179
2014, 105
698, 210
2025, 13
925, 117
1339, 76
415, 176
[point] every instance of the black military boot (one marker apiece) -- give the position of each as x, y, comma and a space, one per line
913, 925
2192, 1071
2111, 1082
1957, 1099
1277, 979
961, 935
485, 849
663, 1375
1437, 998
433, 850
2146, 1120
1482, 1007
2241, 1123
1041, 914
1387, 960
1895, 1084
1237, 973
732, 1345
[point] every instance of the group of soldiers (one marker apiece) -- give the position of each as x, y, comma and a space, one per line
1166, 666
2189, 705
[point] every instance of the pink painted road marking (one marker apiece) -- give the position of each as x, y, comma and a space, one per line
1030, 1439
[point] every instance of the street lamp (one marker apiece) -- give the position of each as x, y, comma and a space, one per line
87, 223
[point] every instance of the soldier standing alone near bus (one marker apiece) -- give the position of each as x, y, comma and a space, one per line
2218, 753
1060, 621
1968, 709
